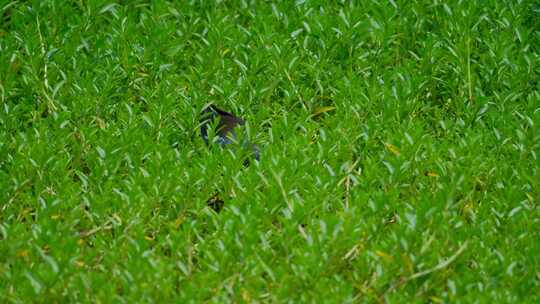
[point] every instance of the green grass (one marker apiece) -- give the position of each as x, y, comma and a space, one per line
422, 185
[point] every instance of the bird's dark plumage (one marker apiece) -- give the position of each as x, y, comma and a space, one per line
225, 123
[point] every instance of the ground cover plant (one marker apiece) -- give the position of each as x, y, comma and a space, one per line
399, 146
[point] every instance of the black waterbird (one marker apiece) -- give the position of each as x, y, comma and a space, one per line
225, 129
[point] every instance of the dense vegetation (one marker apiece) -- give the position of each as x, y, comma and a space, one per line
399, 151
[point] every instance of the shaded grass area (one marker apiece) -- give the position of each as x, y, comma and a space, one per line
399, 151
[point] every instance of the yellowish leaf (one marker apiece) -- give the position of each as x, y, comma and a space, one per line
322, 110
178, 222
245, 296
392, 149
23, 253
384, 255
80, 264
432, 174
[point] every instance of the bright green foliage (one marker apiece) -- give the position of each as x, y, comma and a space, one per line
422, 185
